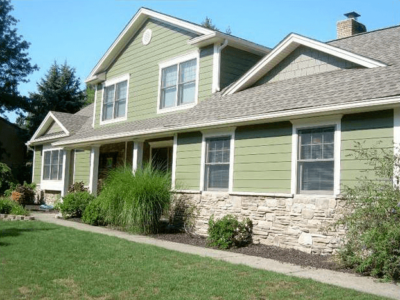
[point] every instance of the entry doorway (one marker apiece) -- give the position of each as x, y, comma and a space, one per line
161, 155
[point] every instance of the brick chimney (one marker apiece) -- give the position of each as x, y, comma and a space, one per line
350, 26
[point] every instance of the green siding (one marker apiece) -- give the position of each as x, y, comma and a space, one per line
142, 63
263, 158
188, 161
372, 130
53, 128
82, 166
234, 63
37, 166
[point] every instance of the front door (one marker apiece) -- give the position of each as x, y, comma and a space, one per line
161, 158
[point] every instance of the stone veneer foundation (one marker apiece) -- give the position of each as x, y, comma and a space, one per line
286, 221
46, 196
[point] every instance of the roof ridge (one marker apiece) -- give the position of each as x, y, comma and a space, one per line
363, 33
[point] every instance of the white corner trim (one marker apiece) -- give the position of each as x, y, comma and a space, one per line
94, 169
174, 159
396, 127
112, 81
315, 123
284, 48
176, 61
218, 133
33, 165
94, 105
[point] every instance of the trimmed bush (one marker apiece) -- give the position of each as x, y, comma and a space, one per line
94, 214
136, 201
229, 232
74, 204
7, 206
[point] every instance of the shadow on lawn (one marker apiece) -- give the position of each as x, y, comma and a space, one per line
14, 232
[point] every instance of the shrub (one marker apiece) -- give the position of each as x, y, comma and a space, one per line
7, 206
23, 194
371, 216
74, 204
136, 201
94, 214
6, 177
77, 187
229, 232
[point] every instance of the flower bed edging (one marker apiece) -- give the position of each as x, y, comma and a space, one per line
6, 217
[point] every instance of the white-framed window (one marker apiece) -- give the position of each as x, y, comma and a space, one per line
217, 161
114, 104
316, 156
52, 164
178, 84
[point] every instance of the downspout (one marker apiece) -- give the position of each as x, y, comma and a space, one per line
217, 65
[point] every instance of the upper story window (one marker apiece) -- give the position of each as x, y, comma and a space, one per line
53, 165
115, 99
178, 83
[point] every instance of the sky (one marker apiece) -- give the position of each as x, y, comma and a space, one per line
80, 31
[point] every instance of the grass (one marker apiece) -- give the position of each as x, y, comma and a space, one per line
46, 261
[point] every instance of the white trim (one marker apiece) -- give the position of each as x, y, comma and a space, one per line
174, 158
275, 195
216, 84
94, 169
94, 105
48, 184
47, 122
137, 155
316, 123
114, 81
65, 171
396, 144
176, 61
73, 175
135, 23
33, 165
213, 134
285, 48
358, 106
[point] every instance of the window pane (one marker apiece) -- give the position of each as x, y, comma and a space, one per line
54, 157
121, 90
109, 94
46, 172
60, 167
316, 176
316, 137
60, 164
217, 176
305, 152
169, 76
187, 92
107, 111
188, 71
328, 151
316, 151
120, 108
168, 97
47, 156
328, 135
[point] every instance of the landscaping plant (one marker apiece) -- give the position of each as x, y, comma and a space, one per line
137, 200
229, 232
23, 194
8, 206
77, 187
6, 178
94, 214
74, 204
371, 216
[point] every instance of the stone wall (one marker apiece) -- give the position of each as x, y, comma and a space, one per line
281, 220
45, 196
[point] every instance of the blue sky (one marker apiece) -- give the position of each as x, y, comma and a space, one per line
80, 31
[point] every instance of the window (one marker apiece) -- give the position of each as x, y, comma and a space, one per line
114, 100
178, 84
217, 163
53, 165
316, 160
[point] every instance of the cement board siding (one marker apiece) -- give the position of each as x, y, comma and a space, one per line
82, 166
234, 63
54, 127
263, 158
37, 167
372, 130
142, 63
188, 161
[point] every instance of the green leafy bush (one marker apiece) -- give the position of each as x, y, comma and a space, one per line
74, 204
6, 177
229, 232
371, 215
94, 214
7, 206
23, 194
136, 201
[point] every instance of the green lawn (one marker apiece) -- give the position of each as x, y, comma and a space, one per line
45, 261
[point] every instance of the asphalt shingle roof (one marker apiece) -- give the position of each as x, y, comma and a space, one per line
319, 90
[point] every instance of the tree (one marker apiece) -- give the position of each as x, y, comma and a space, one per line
207, 23
59, 90
15, 64
89, 94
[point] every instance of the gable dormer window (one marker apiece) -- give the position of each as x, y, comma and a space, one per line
115, 100
178, 83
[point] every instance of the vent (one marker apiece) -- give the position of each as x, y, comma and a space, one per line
146, 38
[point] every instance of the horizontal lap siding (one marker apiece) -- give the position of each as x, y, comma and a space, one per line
37, 167
263, 158
205, 73
82, 167
372, 130
188, 161
54, 128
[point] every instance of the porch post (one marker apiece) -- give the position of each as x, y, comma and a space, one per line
94, 169
65, 171
137, 155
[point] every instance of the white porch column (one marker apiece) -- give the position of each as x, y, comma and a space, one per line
94, 169
65, 171
137, 155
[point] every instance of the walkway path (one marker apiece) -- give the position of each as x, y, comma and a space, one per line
351, 281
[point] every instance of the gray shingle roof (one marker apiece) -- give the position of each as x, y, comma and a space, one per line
72, 122
319, 90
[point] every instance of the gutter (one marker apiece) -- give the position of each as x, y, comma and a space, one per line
217, 66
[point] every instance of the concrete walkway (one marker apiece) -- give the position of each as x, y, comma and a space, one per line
351, 281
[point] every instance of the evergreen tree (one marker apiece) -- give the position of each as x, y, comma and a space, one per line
207, 23
15, 64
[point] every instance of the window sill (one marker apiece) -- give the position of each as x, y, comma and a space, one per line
177, 108
113, 121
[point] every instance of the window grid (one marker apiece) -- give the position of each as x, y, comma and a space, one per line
217, 163
113, 104
53, 165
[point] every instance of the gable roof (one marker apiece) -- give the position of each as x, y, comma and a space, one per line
138, 20
284, 48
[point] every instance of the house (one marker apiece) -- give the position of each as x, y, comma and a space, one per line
245, 129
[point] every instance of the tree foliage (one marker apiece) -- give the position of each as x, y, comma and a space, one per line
59, 90
207, 23
15, 64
